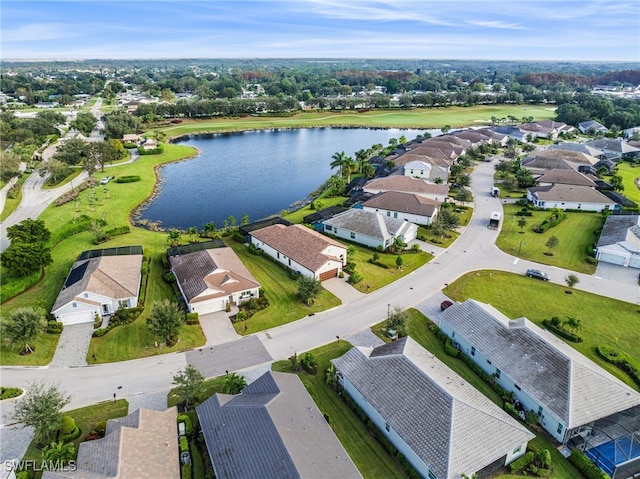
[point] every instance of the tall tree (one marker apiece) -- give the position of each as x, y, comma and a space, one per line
165, 321
308, 289
23, 327
571, 280
397, 321
29, 250
41, 408
189, 384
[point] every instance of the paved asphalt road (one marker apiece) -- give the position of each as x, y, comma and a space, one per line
474, 250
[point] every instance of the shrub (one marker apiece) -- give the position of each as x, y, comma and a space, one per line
587, 468
308, 363
562, 332
54, 327
450, 349
239, 237
521, 462
155, 151
621, 360
8, 393
544, 459
184, 444
169, 277
591, 260
185, 471
68, 425
354, 278
192, 318
97, 333
128, 179
228, 308
554, 219
101, 427
120, 230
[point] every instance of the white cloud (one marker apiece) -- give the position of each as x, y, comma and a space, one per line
38, 32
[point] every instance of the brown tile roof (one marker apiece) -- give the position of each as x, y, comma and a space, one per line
436, 151
303, 245
570, 193
416, 156
451, 139
403, 202
567, 155
216, 271
406, 184
566, 177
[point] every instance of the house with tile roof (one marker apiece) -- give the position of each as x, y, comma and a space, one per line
568, 391
210, 279
615, 149
570, 197
302, 249
440, 423
407, 184
143, 444
592, 126
370, 228
99, 284
426, 169
619, 242
565, 177
405, 206
272, 429
579, 147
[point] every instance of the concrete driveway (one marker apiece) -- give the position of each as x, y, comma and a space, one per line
343, 290
217, 328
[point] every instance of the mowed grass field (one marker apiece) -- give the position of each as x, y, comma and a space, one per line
575, 234
605, 321
418, 118
629, 174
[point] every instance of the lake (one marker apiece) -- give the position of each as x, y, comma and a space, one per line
259, 173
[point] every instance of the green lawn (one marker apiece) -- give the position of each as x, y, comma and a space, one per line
86, 419
284, 305
415, 119
574, 235
296, 216
605, 321
75, 172
11, 204
629, 175
418, 330
369, 456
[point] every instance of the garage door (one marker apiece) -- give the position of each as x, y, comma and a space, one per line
611, 258
329, 274
77, 318
209, 306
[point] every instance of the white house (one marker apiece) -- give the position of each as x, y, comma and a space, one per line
99, 284
592, 126
568, 392
619, 241
405, 206
301, 249
369, 228
441, 424
212, 278
574, 197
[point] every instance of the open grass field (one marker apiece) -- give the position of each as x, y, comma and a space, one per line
297, 216
11, 204
605, 321
86, 419
418, 118
368, 455
629, 175
574, 234
418, 330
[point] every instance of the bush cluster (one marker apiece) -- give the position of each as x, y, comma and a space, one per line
188, 425
120, 317
8, 393
192, 318
74, 194
354, 278
561, 331
120, 230
54, 327
251, 307
621, 360
155, 151
69, 430
184, 444
80, 225
554, 219
522, 462
128, 179
587, 468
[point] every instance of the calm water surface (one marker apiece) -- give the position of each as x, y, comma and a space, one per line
258, 173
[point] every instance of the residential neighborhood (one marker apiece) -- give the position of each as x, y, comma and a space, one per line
273, 245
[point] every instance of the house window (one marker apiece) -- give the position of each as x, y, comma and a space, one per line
388, 213
86, 295
74, 305
517, 387
453, 334
517, 450
488, 361
412, 172
289, 262
422, 172
105, 308
540, 409
432, 475
395, 214
559, 428
387, 427
498, 372
353, 235
278, 255
328, 227
473, 351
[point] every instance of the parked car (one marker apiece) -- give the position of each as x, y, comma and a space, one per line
106, 180
537, 274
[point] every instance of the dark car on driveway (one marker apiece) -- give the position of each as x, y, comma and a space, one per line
537, 274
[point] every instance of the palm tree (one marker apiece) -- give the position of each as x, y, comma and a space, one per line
361, 158
348, 166
234, 384
338, 160
574, 324
368, 169
210, 229
59, 452
174, 237
193, 232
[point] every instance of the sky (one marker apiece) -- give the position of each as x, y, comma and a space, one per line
575, 30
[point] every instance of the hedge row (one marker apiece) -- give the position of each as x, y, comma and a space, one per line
120, 317
587, 468
621, 360
128, 179
521, 462
55, 327
552, 220
562, 332
155, 151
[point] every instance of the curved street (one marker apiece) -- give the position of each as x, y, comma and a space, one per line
475, 249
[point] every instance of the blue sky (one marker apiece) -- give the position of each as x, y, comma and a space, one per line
586, 30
